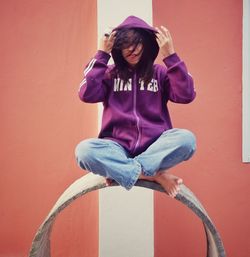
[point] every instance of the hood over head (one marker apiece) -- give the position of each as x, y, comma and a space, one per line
133, 22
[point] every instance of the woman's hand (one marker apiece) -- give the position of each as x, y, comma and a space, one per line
107, 42
165, 42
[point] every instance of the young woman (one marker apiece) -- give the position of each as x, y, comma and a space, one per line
136, 140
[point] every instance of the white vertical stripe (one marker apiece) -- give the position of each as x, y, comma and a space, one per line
86, 71
246, 83
89, 67
125, 217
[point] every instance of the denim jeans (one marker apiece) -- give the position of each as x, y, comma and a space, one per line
109, 159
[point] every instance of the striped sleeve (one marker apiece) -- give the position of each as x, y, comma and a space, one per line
86, 71
91, 88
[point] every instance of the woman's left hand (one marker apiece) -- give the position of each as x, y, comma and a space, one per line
165, 42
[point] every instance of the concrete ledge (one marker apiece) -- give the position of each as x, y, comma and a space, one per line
90, 182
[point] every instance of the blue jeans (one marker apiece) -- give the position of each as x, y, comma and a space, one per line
109, 159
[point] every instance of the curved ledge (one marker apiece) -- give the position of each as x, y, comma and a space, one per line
90, 182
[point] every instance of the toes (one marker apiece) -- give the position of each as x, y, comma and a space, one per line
173, 192
170, 192
171, 195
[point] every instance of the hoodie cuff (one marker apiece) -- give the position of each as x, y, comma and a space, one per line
171, 59
102, 56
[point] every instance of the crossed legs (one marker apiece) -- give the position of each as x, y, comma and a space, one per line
109, 159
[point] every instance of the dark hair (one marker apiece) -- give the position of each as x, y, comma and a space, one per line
132, 37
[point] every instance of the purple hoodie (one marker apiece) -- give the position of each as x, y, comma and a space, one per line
134, 114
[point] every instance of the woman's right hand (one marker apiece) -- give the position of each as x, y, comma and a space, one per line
106, 42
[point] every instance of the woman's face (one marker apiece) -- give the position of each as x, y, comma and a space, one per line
132, 55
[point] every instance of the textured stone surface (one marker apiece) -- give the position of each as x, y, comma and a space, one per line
90, 182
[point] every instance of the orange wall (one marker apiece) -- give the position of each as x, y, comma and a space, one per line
43, 49
208, 37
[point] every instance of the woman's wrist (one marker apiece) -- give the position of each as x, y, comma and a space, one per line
168, 53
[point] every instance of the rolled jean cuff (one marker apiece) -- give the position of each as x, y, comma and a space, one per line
134, 177
147, 173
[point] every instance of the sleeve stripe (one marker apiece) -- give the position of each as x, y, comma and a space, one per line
86, 71
89, 67
82, 83
191, 77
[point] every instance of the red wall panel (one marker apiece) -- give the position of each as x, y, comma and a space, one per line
208, 37
43, 50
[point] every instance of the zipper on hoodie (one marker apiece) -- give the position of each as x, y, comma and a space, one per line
135, 112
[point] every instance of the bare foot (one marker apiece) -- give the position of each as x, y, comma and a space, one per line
169, 182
